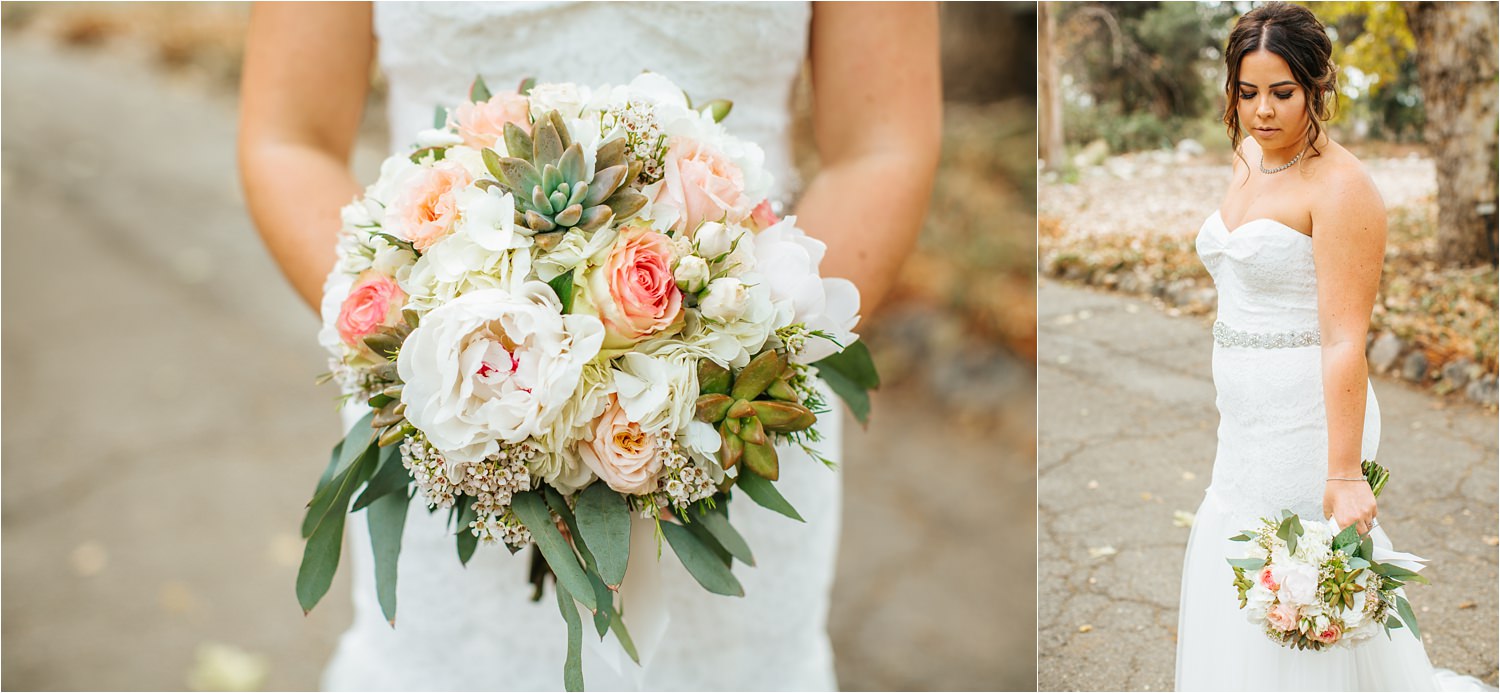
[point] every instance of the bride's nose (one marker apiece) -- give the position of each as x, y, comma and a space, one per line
1263, 107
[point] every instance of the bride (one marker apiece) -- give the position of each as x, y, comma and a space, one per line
876, 114
1295, 250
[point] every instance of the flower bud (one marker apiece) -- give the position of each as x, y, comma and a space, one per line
691, 274
725, 300
713, 239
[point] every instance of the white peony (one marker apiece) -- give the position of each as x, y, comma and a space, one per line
493, 366
786, 260
1299, 582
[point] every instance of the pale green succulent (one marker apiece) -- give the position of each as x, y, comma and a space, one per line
554, 192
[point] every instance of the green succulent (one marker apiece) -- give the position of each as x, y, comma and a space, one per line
553, 191
1340, 588
745, 407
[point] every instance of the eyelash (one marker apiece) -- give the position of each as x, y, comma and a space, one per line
1280, 95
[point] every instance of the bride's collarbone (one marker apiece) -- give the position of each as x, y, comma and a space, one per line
1276, 201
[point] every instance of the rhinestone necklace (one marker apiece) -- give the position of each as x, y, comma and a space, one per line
1283, 167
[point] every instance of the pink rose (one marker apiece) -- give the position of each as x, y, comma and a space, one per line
425, 211
633, 292
1283, 617
374, 301
621, 453
701, 184
482, 123
1329, 635
1266, 580
762, 217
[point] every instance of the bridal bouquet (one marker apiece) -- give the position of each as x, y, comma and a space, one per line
566, 306
1312, 585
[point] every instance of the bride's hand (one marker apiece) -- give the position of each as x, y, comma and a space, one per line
1350, 503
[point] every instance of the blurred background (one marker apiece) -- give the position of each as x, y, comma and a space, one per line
164, 429
1133, 157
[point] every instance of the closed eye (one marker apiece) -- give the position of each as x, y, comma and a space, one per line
1246, 96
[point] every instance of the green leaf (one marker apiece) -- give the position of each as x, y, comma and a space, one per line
1396, 572
478, 91
328, 472
1403, 607
604, 525
563, 285
709, 542
617, 624
1367, 548
856, 397
716, 523
359, 437
1245, 536
854, 363
389, 476
573, 665
765, 495
466, 541
532, 511
606, 601
1347, 537
387, 518
1248, 563
439, 118
325, 539
701, 562
1288, 531
1355, 563
318, 508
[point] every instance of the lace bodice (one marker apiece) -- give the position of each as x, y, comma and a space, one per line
1264, 273
747, 52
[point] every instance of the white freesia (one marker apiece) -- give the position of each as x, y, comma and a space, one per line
786, 260
726, 300
493, 366
691, 274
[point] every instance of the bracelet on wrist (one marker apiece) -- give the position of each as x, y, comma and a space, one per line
1343, 478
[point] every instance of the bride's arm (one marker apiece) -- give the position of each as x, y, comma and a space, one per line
1348, 250
877, 116
307, 68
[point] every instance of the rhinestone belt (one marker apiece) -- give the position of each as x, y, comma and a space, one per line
1225, 335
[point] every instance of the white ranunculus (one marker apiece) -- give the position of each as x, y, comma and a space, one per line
726, 300
565, 98
1299, 582
691, 274
786, 260
494, 366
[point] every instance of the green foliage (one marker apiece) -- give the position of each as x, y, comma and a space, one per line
1376, 55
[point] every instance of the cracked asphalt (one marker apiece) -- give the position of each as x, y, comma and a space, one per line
163, 431
1127, 436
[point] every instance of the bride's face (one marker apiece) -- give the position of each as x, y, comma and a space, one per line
1272, 106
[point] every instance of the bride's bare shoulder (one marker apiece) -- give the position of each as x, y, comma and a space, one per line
1343, 182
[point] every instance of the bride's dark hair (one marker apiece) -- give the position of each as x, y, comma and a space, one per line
1294, 33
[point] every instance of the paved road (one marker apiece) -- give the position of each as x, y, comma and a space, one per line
163, 430
1127, 419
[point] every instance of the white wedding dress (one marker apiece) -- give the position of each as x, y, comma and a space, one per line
1272, 455
475, 627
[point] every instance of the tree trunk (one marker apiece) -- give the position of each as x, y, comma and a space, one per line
1049, 90
1456, 65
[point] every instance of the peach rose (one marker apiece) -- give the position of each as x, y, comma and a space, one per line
762, 217
482, 123
374, 301
701, 184
1329, 635
633, 292
425, 210
1266, 580
1283, 617
621, 453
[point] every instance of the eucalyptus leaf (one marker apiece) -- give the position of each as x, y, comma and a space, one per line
617, 624
318, 509
333, 464
606, 601
532, 511
439, 117
716, 523
701, 562
1248, 563
709, 542
387, 519
559, 505
1403, 607
465, 541
573, 665
604, 524
856, 397
390, 475
765, 495
854, 363
478, 91
325, 539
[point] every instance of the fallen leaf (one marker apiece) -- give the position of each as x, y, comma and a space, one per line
1188, 476
1102, 551
1182, 518
1467, 605
1085, 628
1492, 541
221, 667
